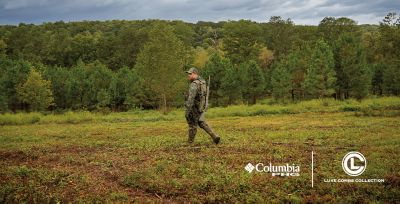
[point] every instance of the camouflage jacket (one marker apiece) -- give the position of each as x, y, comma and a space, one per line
196, 97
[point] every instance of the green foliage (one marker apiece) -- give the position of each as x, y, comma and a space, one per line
160, 64
354, 76
231, 85
281, 82
77, 86
288, 73
295, 63
279, 35
59, 78
320, 78
99, 80
59, 49
3, 101
126, 89
377, 82
184, 32
36, 92
84, 46
389, 38
3, 97
118, 49
252, 80
210, 35
391, 79
13, 73
215, 68
103, 98
331, 28
352, 72
389, 48
242, 41
3, 47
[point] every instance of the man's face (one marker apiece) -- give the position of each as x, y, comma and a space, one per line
192, 76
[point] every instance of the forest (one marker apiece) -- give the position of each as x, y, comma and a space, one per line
119, 65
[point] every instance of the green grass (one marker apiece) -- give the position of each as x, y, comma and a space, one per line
385, 106
142, 156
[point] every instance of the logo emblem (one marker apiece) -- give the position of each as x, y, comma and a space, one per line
349, 166
249, 167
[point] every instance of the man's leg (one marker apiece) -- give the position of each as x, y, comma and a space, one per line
203, 124
192, 131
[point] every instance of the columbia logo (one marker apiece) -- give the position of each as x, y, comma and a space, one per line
249, 167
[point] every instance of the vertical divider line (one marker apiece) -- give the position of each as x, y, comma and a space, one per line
312, 169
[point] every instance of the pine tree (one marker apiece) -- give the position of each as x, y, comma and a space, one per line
231, 86
103, 98
252, 81
281, 82
3, 99
353, 74
320, 78
36, 92
378, 72
216, 67
295, 65
389, 47
391, 78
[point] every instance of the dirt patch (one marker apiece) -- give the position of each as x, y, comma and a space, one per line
72, 149
18, 156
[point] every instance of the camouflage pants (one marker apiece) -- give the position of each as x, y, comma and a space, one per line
193, 119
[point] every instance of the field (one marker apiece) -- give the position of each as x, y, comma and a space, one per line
143, 156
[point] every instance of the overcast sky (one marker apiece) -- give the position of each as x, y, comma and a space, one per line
309, 12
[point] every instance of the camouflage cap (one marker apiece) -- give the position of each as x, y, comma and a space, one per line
193, 69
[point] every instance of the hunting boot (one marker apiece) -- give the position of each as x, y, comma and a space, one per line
208, 129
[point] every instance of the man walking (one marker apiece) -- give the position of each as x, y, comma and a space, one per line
196, 105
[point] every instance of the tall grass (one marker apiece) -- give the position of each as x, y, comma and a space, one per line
384, 106
20, 118
316, 105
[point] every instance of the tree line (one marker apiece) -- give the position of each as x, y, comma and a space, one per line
121, 65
